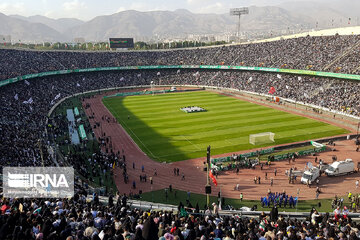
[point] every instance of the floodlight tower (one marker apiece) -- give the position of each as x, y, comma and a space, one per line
239, 12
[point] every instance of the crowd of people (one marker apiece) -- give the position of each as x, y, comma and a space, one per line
26, 132
313, 53
85, 217
25, 104
337, 95
29, 101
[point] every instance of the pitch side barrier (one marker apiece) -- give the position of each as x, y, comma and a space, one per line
238, 213
160, 67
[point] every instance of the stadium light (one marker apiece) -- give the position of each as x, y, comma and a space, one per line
239, 12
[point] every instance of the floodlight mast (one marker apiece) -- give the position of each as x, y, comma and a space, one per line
239, 12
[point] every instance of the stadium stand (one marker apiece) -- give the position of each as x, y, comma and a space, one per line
82, 218
25, 105
314, 53
20, 143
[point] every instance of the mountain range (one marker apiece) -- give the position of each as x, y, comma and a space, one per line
292, 16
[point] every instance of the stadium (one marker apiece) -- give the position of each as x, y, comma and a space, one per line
165, 127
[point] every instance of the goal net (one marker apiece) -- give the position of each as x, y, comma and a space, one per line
261, 138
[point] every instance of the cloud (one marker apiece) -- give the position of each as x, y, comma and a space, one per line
121, 9
12, 8
198, 2
207, 6
50, 14
74, 8
73, 5
217, 7
142, 6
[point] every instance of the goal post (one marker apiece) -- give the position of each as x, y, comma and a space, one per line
261, 138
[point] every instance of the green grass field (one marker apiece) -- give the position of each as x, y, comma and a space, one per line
165, 133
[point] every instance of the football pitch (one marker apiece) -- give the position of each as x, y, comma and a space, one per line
166, 133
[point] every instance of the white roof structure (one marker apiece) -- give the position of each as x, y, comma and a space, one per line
314, 33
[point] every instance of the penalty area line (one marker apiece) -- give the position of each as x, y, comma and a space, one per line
117, 116
191, 143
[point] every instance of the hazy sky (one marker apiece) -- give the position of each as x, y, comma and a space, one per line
87, 9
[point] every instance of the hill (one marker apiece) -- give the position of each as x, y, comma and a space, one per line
27, 31
285, 18
60, 25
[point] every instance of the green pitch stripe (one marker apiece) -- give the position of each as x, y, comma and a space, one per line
178, 119
166, 133
212, 136
211, 105
200, 127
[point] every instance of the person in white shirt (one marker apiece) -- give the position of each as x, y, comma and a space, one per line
337, 213
314, 217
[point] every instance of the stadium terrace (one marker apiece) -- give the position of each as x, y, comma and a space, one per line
35, 130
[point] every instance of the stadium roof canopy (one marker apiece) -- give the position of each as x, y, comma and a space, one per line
324, 32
